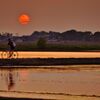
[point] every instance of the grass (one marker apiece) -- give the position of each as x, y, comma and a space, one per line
52, 47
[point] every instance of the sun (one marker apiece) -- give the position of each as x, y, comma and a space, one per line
24, 19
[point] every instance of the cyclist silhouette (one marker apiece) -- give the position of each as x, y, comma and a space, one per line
10, 52
12, 46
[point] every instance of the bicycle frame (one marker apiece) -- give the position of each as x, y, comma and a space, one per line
9, 54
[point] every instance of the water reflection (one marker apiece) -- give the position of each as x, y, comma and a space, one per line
58, 54
10, 80
39, 81
7, 79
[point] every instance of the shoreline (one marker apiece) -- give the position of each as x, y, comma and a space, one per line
12, 98
49, 96
49, 61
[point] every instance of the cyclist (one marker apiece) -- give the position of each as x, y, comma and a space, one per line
12, 46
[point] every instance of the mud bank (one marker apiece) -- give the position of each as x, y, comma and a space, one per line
48, 61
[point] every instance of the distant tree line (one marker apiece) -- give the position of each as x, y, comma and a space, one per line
70, 35
71, 40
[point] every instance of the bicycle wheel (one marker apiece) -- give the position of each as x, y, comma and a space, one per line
14, 55
4, 55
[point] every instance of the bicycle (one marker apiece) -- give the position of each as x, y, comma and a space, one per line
9, 54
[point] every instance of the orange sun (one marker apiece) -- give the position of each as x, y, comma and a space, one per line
24, 19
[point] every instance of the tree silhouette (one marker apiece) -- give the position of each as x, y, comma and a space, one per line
41, 44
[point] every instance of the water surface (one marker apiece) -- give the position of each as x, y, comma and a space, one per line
58, 54
75, 82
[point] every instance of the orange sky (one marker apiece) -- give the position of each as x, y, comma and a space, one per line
54, 15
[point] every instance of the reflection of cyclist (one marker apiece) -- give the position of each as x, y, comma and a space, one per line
12, 46
11, 81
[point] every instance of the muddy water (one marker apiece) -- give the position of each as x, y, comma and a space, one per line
58, 54
75, 82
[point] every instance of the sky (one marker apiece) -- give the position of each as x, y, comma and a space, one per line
50, 15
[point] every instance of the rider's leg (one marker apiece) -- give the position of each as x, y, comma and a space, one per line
10, 52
